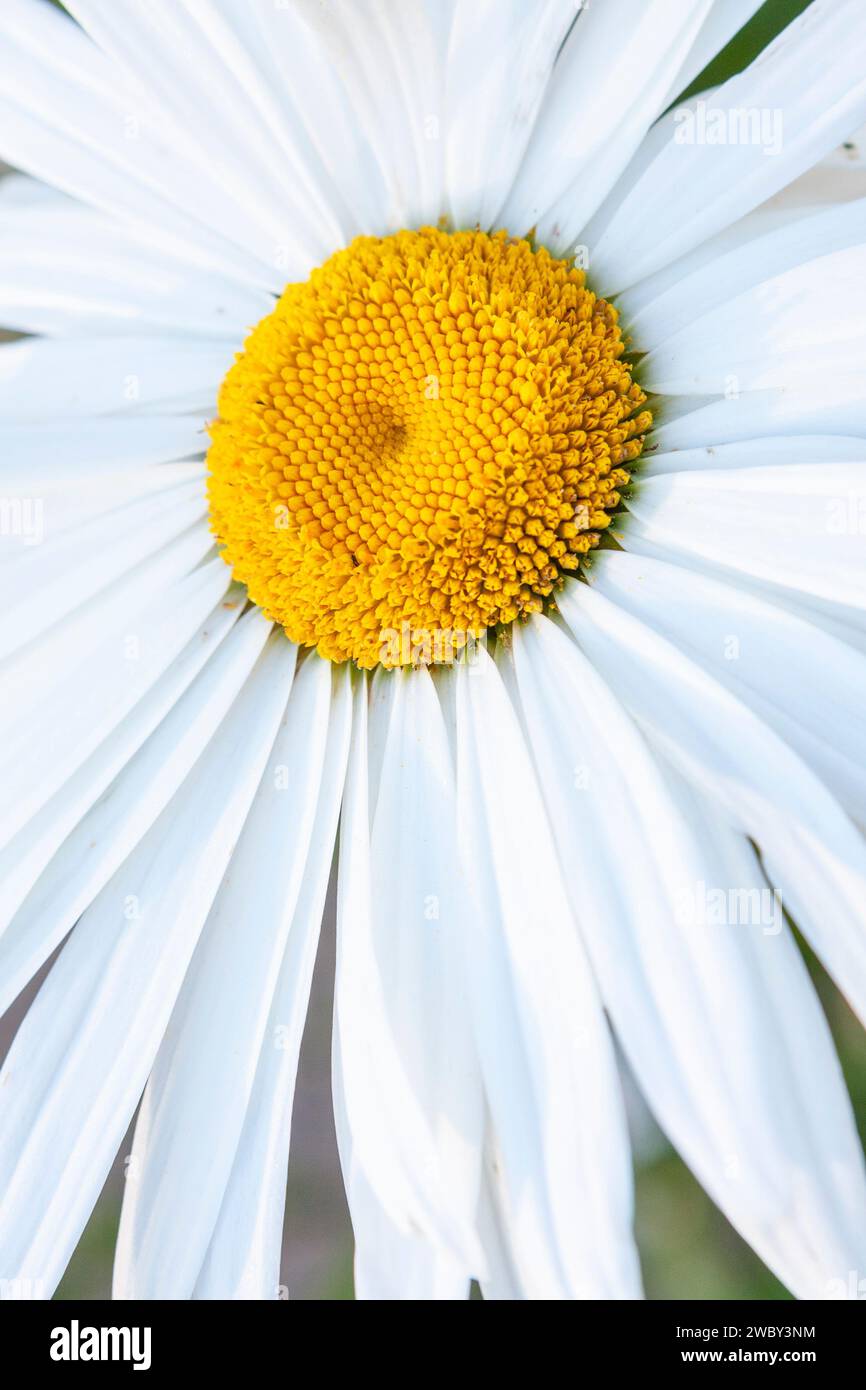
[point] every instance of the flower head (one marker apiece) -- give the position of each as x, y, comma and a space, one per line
432, 441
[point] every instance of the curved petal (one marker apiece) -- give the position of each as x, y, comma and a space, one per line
72, 272
808, 91
546, 1055
81, 1057
799, 525
809, 848
765, 655
748, 453
702, 979
390, 61
667, 304
44, 379
319, 112
243, 1258
178, 56
57, 454
500, 61
71, 717
390, 1131
416, 925
69, 116
828, 405
57, 577
29, 672
70, 829
199, 1090
609, 83
777, 333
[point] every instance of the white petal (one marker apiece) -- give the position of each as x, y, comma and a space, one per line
318, 159
202, 1081
716, 1013
767, 656
24, 194
609, 84
416, 925
546, 1054
65, 645
61, 508
70, 719
106, 830
177, 56
43, 379
836, 617
750, 453
839, 177
391, 1137
668, 303
390, 1264
320, 119
776, 334
81, 1057
809, 89
70, 271
54, 578
809, 848
97, 843
829, 405
798, 525
748, 234
502, 1282
390, 62
378, 723
394, 1267
243, 1259
499, 65
69, 116
57, 454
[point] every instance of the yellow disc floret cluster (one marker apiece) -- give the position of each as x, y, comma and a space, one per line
425, 436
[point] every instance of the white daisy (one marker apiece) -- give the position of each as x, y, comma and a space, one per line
593, 825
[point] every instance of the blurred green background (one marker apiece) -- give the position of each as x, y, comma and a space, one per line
688, 1249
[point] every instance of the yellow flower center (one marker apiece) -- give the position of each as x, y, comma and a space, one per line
423, 438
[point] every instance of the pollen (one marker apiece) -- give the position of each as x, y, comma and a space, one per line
427, 436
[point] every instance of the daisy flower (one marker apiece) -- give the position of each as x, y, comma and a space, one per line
428, 442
